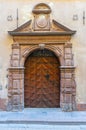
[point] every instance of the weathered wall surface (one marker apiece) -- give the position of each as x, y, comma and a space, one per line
63, 11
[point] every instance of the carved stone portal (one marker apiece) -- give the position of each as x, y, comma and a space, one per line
29, 37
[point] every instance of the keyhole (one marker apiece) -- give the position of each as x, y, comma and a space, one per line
47, 76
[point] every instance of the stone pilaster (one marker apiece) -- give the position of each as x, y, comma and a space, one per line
67, 88
68, 56
15, 57
16, 81
15, 89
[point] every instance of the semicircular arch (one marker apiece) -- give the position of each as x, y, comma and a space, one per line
55, 50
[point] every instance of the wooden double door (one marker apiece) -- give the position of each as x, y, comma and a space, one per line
42, 80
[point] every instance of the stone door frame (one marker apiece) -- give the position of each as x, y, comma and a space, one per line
20, 51
29, 37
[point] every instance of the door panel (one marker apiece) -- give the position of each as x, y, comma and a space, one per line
42, 77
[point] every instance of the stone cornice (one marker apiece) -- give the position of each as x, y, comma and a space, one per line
69, 33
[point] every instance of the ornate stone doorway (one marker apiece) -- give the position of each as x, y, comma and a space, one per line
41, 32
42, 80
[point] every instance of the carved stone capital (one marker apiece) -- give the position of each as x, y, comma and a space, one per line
68, 45
15, 46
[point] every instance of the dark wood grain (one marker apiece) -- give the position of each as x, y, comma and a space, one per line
42, 77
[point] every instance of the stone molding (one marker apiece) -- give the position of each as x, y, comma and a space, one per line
16, 75
27, 38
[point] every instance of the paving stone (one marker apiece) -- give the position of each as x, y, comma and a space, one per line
39, 127
53, 115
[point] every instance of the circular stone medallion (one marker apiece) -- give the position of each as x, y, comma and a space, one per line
41, 21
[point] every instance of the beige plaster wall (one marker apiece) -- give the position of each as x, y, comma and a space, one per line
62, 11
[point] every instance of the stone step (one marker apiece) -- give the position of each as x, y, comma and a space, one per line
68, 123
42, 119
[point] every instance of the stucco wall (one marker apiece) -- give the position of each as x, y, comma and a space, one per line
62, 11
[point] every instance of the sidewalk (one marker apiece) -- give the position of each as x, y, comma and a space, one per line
42, 119
34, 115
40, 127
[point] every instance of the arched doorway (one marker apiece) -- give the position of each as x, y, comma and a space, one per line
42, 80
41, 69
